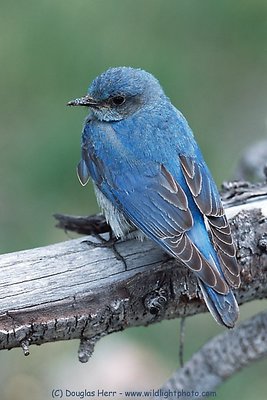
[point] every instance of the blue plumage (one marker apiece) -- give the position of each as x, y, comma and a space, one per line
149, 174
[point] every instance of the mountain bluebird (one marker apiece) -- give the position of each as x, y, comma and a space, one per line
150, 176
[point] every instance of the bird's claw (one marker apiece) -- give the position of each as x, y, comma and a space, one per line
107, 243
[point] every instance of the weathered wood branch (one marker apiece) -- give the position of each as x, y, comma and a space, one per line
220, 358
73, 290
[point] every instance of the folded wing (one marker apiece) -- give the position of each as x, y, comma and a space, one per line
209, 203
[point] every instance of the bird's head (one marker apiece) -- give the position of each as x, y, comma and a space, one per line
120, 92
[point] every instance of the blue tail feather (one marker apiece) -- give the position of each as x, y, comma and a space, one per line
224, 308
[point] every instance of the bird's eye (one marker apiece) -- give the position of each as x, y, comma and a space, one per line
118, 100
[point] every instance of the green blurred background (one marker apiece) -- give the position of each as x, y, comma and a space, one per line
211, 58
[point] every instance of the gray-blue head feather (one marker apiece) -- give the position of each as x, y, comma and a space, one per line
124, 80
119, 92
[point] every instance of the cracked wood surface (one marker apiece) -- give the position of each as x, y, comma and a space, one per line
73, 290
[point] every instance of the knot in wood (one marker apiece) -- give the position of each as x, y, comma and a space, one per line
156, 302
262, 243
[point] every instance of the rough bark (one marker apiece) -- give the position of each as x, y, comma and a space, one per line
75, 290
219, 359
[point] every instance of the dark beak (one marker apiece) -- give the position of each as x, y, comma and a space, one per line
86, 101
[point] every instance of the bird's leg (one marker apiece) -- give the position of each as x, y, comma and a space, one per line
102, 242
108, 243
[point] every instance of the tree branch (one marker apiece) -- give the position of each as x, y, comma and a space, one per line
219, 359
72, 290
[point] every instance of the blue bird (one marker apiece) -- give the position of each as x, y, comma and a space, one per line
149, 174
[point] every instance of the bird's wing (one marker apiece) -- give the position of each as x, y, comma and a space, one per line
207, 199
156, 204
152, 198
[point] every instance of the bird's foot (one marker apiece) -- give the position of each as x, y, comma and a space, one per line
107, 243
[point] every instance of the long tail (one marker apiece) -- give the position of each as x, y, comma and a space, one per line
224, 308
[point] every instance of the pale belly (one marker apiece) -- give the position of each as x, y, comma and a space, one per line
120, 225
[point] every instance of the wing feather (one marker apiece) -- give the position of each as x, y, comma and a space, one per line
154, 201
163, 214
208, 201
